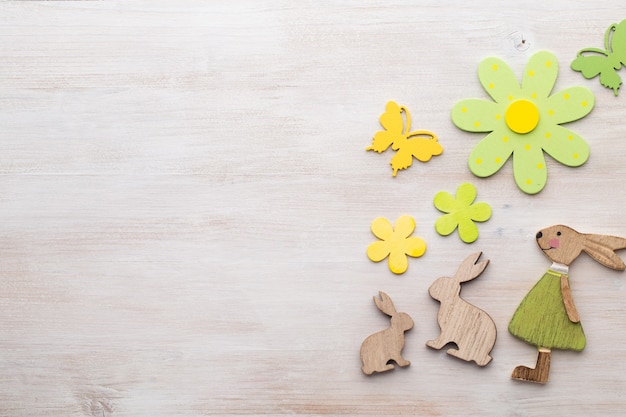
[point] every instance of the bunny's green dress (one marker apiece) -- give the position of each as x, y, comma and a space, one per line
541, 318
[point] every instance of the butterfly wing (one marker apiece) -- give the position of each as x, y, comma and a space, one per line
392, 122
424, 146
598, 64
617, 40
401, 160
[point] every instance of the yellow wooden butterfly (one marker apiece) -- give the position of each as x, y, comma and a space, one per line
420, 144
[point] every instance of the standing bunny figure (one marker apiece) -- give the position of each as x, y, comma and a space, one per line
547, 317
470, 328
378, 349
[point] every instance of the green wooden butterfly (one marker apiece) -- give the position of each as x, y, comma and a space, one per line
592, 62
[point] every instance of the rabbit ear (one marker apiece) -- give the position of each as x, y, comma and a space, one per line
471, 268
602, 247
385, 304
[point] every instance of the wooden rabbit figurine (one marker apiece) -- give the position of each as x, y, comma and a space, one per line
547, 317
378, 349
470, 328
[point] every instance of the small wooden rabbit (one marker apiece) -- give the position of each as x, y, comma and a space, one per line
378, 349
467, 326
547, 317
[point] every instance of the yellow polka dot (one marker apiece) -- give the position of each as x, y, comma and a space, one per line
528, 181
476, 124
566, 96
464, 110
548, 64
550, 112
527, 147
570, 137
534, 95
479, 161
498, 160
498, 117
548, 135
584, 103
575, 156
505, 139
494, 67
491, 85
510, 97
531, 73
539, 166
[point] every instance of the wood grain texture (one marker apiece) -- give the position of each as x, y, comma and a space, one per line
471, 329
186, 201
378, 350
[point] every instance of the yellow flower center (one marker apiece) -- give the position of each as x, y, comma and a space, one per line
522, 116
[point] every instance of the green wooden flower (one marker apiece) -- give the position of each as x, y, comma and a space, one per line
461, 212
524, 121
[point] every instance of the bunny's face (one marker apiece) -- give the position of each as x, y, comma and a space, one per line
443, 288
560, 243
402, 321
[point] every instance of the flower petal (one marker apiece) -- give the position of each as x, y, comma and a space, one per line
446, 224
475, 115
529, 169
444, 201
498, 80
466, 194
378, 251
414, 246
468, 231
540, 75
566, 147
382, 228
570, 104
405, 225
398, 262
479, 212
491, 153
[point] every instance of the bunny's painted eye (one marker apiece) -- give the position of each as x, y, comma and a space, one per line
558, 233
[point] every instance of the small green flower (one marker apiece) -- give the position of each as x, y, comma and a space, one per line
524, 121
461, 212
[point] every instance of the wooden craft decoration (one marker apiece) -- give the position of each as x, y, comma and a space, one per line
380, 348
470, 328
547, 317
420, 144
461, 211
395, 243
524, 121
592, 62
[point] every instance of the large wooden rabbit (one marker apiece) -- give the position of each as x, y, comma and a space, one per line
547, 317
467, 326
378, 349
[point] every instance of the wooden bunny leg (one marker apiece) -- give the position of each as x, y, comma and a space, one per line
401, 361
369, 371
541, 371
468, 356
438, 343
459, 353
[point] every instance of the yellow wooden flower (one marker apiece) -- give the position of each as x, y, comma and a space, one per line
395, 243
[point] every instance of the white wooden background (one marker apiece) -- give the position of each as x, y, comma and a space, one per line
185, 202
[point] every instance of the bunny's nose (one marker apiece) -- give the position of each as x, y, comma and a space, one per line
539, 235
